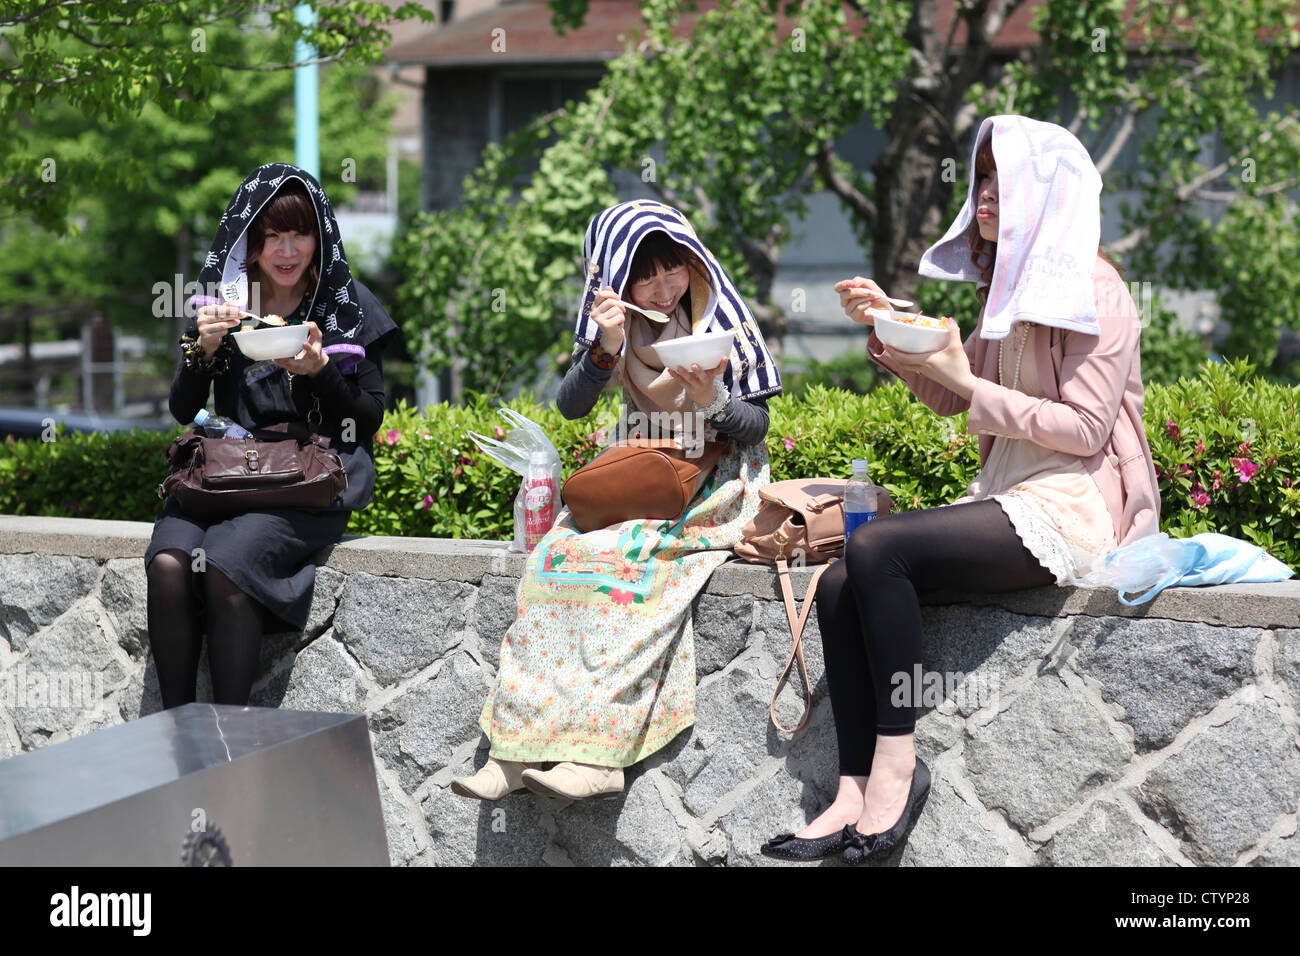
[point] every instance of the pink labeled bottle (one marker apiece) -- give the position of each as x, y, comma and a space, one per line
539, 499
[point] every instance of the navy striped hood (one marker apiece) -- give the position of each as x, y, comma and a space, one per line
612, 240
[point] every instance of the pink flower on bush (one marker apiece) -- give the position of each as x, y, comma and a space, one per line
1160, 472
498, 431
1246, 469
393, 436
789, 443
1184, 469
1198, 496
1200, 448
428, 502
1244, 448
1172, 428
601, 436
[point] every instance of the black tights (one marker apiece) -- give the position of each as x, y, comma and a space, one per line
234, 626
871, 629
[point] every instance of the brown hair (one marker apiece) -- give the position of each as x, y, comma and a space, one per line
983, 253
657, 251
290, 210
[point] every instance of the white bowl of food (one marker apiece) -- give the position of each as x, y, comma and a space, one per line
705, 350
911, 331
274, 342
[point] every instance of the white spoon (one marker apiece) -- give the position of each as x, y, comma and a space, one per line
648, 313
897, 303
257, 319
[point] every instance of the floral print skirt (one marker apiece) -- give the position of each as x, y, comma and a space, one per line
599, 666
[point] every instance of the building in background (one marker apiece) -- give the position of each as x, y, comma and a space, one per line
489, 72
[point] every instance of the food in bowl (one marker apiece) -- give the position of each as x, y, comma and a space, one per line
705, 350
277, 342
911, 332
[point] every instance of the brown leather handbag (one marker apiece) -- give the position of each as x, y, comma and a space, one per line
275, 467
800, 520
638, 478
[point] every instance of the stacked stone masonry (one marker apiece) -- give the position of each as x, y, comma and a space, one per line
1066, 729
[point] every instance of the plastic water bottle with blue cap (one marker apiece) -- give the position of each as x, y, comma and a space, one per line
218, 426
859, 498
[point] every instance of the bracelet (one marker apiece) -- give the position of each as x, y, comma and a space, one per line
192, 354
600, 358
721, 399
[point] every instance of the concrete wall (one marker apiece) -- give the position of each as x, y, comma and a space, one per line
1077, 731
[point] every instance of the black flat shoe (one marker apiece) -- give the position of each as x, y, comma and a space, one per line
787, 846
861, 847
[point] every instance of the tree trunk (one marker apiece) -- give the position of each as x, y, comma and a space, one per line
912, 199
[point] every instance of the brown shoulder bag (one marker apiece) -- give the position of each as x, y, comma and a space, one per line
638, 478
800, 520
275, 467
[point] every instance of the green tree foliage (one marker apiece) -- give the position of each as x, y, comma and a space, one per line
744, 117
130, 244
106, 60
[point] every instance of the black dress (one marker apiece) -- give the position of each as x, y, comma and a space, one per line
268, 554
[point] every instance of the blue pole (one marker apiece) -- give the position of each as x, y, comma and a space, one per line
305, 106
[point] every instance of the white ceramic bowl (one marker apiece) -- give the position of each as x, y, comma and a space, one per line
706, 350
903, 337
273, 343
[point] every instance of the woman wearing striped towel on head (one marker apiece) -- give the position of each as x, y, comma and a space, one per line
598, 670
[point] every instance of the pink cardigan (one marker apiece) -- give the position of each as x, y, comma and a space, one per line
1092, 408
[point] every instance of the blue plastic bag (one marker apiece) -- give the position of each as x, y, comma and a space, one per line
1158, 561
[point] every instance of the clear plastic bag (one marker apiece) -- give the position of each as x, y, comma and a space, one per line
514, 453
1151, 564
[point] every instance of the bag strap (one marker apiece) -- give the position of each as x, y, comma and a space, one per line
282, 431
797, 623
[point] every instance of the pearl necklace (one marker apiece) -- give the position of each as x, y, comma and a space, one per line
1022, 340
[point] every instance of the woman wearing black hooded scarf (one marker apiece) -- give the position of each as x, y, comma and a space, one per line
277, 251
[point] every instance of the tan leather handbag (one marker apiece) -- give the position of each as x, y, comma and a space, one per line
800, 520
637, 478
803, 516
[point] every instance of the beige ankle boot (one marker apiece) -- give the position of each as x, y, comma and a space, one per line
494, 780
574, 781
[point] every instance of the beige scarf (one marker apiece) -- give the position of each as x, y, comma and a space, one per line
640, 370
649, 386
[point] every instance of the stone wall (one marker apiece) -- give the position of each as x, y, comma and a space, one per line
1072, 730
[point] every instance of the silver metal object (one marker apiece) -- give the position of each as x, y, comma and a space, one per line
219, 785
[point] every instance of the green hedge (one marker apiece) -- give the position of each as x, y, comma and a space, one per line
1227, 448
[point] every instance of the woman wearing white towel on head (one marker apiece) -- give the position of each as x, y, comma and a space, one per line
1052, 380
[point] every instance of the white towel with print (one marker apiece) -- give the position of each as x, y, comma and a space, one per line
1049, 227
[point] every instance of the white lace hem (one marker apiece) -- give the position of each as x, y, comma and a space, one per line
1044, 541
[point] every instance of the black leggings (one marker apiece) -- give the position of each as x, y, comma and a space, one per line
234, 625
871, 629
